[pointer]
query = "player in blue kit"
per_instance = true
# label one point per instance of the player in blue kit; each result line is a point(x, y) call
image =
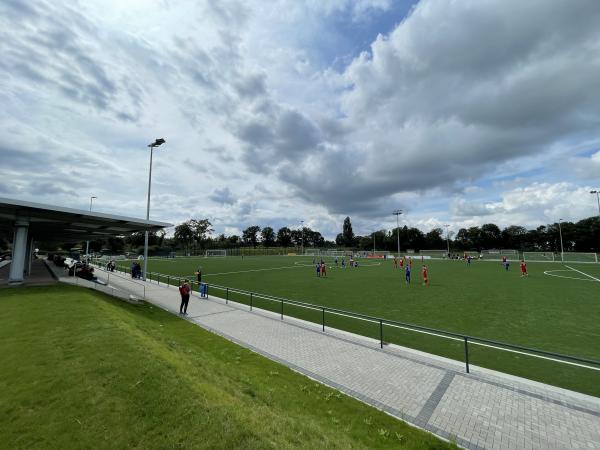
point(407, 273)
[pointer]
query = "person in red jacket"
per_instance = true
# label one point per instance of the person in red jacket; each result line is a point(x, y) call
point(184, 291)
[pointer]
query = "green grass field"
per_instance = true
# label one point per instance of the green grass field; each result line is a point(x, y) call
point(82, 370)
point(557, 313)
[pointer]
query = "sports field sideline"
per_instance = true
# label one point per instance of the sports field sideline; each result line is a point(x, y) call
point(555, 309)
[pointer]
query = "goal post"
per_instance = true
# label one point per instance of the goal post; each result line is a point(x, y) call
point(438, 254)
point(578, 257)
point(215, 252)
point(539, 256)
point(511, 254)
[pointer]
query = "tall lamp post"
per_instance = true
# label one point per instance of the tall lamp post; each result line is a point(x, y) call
point(597, 192)
point(448, 238)
point(397, 214)
point(374, 243)
point(562, 253)
point(302, 241)
point(87, 243)
point(157, 143)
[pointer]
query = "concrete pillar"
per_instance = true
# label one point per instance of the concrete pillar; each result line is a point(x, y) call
point(28, 255)
point(19, 251)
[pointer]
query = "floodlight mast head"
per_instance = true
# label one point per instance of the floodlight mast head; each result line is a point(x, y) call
point(157, 143)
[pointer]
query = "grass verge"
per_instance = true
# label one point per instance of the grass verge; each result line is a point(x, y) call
point(82, 370)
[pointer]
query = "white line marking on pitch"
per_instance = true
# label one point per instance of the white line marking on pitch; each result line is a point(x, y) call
point(583, 273)
point(549, 273)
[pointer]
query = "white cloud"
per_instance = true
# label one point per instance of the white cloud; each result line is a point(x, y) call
point(259, 131)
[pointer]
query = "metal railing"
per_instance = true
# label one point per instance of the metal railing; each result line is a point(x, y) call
point(381, 323)
point(109, 273)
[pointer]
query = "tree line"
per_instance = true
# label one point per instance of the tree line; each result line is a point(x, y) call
point(195, 235)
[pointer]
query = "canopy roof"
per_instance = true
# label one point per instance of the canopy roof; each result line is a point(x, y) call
point(56, 223)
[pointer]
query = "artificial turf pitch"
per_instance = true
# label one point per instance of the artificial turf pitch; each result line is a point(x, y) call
point(557, 312)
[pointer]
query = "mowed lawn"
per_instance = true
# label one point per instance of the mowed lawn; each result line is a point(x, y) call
point(554, 313)
point(82, 370)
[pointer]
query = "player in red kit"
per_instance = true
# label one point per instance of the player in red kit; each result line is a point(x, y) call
point(524, 269)
point(425, 278)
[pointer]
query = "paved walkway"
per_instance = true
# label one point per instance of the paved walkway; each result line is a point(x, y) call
point(484, 409)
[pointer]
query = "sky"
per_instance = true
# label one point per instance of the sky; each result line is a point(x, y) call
point(457, 112)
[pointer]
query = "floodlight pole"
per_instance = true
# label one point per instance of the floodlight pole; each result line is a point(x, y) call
point(397, 214)
point(156, 143)
point(562, 253)
point(302, 241)
point(87, 243)
point(597, 192)
point(448, 237)
point(373, 243)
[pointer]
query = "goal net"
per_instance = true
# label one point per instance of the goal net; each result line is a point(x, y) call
point(311, 252)
point(539, 256)
point(578, 257)
point(496, 254)
point(434, 253)
point(215, 253)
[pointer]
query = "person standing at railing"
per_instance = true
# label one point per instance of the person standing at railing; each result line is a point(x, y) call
point(199, 275)
point(184, 291)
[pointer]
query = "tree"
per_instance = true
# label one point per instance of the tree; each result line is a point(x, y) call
point(184, 234)
point(267, 236)
point(490, 236)
point(434, 240)
point(347, 233)
point(284, 237)
point(250, 235)
point(200, 229)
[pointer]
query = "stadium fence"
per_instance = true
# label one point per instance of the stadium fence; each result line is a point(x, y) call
point(384, 331)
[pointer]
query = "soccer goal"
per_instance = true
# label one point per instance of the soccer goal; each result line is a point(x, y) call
point(539, 256)
point(578, 257)
point(215, 252)
point(338, 253)
point(437, 254)
point(312, 252)
point(497, 254)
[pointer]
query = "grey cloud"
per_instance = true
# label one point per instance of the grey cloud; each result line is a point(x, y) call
point(222, 196)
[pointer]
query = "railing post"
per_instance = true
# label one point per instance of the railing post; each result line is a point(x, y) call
point(250, 301)
point(169, 280)
point(467, 353)
point(281, 309)
point(381, 333)
point(323, 319)
point(206, 290)
point(158, 279)
point(226, 295)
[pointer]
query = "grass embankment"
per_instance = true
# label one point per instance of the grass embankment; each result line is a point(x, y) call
point(552, 313)
point(82, 370)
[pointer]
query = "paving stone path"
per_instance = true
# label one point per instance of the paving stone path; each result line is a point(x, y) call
point(480, 410)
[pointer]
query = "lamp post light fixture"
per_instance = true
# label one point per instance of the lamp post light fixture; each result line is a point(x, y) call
point(597, 192)
point(562, 252)
point(397, 214)
point(157, 143)
point(87, 243)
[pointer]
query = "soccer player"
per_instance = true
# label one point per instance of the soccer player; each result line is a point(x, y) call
point(407, 274)
point(395, 263)
point(524, 269)
point(401, 263)
point(469, 260)
point(336, 261)
point(318, 266)
point(504, 262)
point(424, 273)
point(343, 263)
point(323, 269)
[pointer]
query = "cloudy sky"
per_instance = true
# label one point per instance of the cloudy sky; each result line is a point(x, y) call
point(459, 112)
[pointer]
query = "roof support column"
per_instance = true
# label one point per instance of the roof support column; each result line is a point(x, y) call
point(19, 251)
